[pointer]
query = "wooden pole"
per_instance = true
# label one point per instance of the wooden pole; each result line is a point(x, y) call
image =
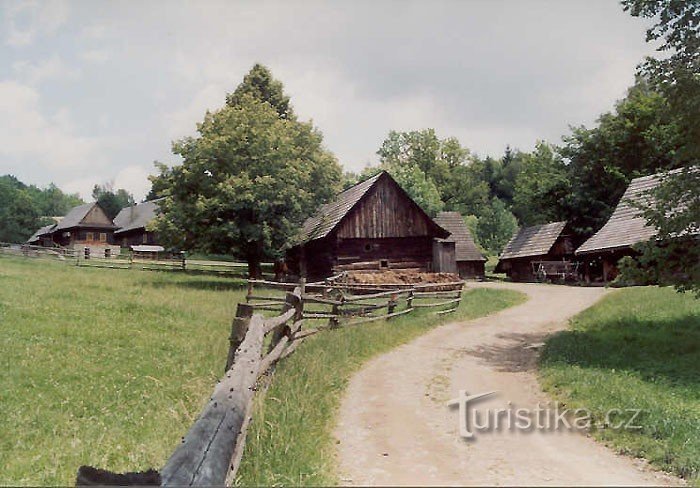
point(205, 455)
point(239, 328)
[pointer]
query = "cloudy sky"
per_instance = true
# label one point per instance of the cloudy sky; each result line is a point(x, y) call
point(95, 91)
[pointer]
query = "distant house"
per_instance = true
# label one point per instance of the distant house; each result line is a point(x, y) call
point(470, 261)
point(132, 223)
point(86, 228)
point(625, 228)
point(530, 246)
point(42, 237)
point(373, 225)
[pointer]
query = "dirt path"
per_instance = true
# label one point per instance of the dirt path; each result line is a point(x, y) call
point(395, 428)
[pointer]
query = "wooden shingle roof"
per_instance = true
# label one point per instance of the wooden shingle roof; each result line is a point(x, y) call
point(626, 226)
point(465, 249)
point(136, 216)
point(533, 241)
point(41, 232)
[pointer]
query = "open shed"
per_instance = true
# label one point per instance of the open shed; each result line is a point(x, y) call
point(373, 225)
point(531, 246)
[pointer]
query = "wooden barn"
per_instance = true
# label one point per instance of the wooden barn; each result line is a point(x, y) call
point(86, 228)
point(625, 228)
point(534, 247)
point(132, 223)
point(470, 261)
point(373, 225)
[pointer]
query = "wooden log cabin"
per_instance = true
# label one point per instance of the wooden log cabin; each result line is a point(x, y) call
point(625, 228)
point(373, 225)
point(132, 223)
point(530, 246)
point(85, 228)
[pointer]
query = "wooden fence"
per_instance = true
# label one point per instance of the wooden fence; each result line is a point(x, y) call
point(211, 452)
point(131, 261)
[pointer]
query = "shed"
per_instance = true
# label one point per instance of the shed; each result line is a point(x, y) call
point(133, 224)
point(42, 237)
point(532, 245)
point(372, 225)
point(470, 261)
point(625, 228)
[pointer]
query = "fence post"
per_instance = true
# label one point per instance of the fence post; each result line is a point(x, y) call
point(391, 306)
point(239, 328)
point(409, 299)
point(250, 291)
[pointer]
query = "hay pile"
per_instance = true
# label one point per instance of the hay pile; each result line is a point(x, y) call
point(403, 277)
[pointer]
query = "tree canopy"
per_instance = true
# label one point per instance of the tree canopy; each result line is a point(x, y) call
point(111, 200)
point(248, 180)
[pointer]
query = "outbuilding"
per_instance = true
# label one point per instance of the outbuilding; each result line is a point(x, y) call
point(373, 225)
point(536, 249)
point(470, 261)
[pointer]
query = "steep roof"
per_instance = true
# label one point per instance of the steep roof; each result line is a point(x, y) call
point(75, 217)
point(329, 215)
point(42, 231)
point(626, 226)
point(465, 249)
point(136, 216)
point(533, 241)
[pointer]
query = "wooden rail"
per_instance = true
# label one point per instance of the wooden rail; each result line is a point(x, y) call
point(211, 451)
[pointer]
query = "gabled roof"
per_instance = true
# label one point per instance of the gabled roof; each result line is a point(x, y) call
point(626, 226)
point(42, 231)
point(136, 216)
point(533, 241)
point(465, 249)
point(329, 215)
point(76, 216)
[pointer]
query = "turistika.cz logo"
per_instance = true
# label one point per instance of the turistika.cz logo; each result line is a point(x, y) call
point(546, 417)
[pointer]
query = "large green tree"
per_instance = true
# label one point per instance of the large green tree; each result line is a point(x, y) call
point(541, 186)
point(673, 257)
point(642, 136)
point(248, 180)
point(495, 226)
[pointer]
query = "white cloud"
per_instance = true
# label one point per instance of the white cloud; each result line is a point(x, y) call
point(49, 69)
point(135, 179)
point(97, 56)
point(26, 20)
point(31, 136)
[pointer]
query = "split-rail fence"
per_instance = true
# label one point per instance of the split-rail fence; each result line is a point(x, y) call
point(211, 452)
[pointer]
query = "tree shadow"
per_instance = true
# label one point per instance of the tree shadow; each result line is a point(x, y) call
point(207, 285)
point(518, 355)
point(665, 349)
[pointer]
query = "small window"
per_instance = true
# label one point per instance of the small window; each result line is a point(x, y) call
point(103, 237)
point(88, 236)
point(384, 263)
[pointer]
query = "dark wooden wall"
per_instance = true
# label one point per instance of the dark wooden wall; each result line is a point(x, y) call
point(384, 212)
point(470, 269)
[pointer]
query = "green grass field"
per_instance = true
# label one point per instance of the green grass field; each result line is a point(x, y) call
point(103, 367)
point(637, 348)
point(290, 441)
point(111, 367)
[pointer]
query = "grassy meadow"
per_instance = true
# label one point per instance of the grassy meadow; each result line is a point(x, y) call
point(110, 367)
point(637, 348)
point(103, 367)
point(290, 441)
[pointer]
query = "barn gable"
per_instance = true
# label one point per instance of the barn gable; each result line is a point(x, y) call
point(88, 215)
point(375, 208)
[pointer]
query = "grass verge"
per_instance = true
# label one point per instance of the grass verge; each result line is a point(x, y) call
point(103, 367)
point(290, 441)
point(639, 348)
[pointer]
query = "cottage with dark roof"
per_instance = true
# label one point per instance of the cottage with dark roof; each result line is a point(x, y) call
point(133, 224)
point(470, 261)
point(533, 245)
point(85, 228)
point(373, 225)
point(625, 228)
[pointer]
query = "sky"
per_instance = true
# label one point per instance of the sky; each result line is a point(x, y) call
point(96, 91)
